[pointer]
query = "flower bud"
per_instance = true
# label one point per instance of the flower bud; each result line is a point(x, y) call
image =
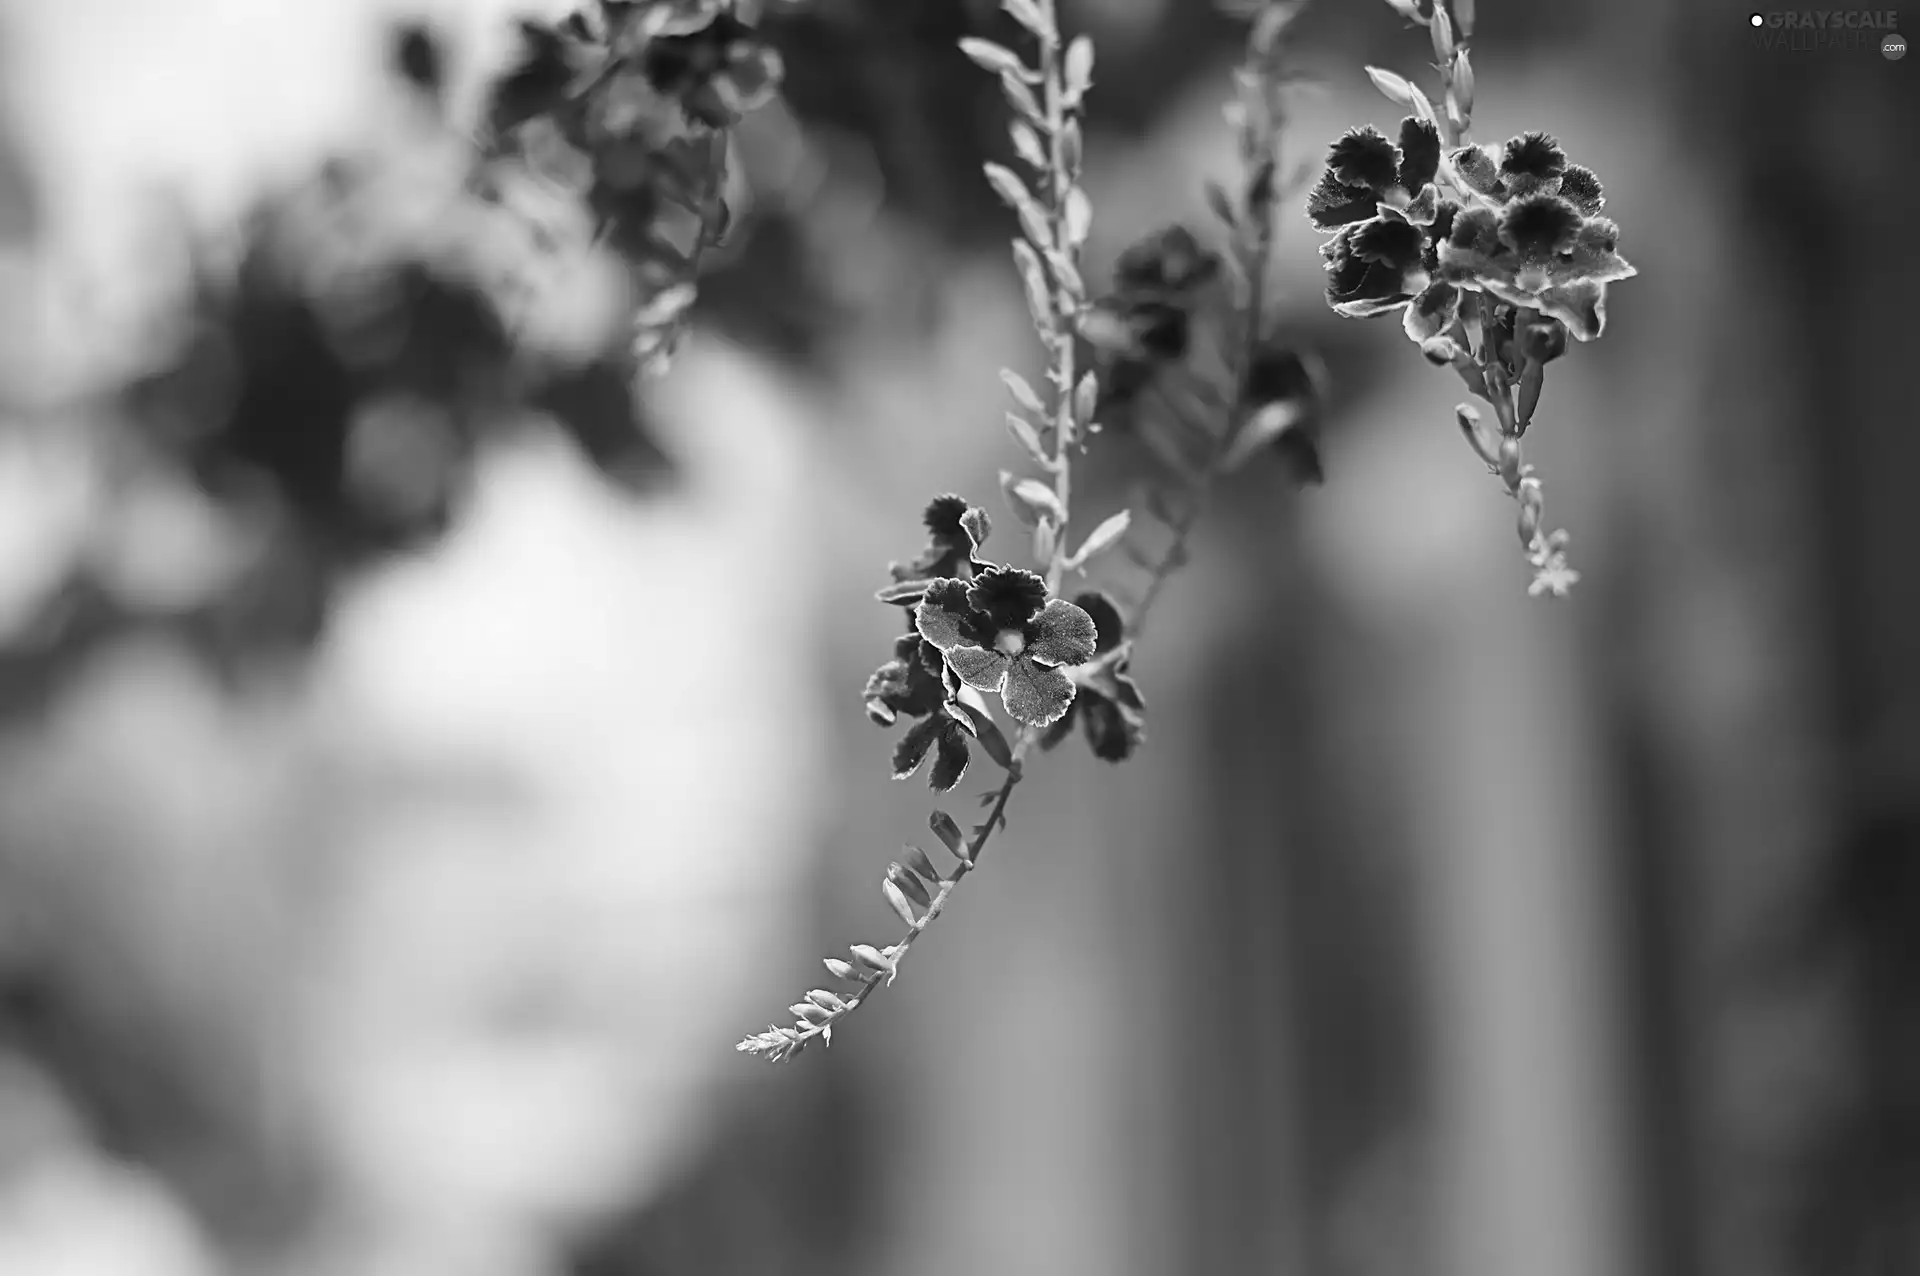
point(1508, 461)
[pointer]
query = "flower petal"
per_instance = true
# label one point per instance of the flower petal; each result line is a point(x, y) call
point(1007, 597)
point(951, 762)
point(1419, 152)
point(978, 667)
point(1579, 187)
point(1364, 157)
point(1333, 204)
point(1050, 738)
point(1037, 696)
point(943, 616)
point(1113, 733)
point(1062, 634)
point(913, 746)
point(1432, 312)
point(1582, 306)
point(1108, 624)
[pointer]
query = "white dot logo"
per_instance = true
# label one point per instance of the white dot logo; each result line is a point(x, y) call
point(1755, 20)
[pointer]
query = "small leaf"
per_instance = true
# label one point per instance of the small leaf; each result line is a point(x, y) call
point(1023, 392)
point(1086, 396)
point(868, 957)
point(917, 861)
point(1532, 378)
point(1026, 436)
point(1007, 185)
point(1033, 277)
point(1031, 500)
point(1028, 14)
point(909, 885)
point(1394, 87)
point(989, 56)
point(906, 593)
point(826, 1000)
point(1071, 284)
point(1021, 98)
point(807, 1012)
point(1078, 217)
point(949, 834)
point(1079, 70)
point(898, 902)
point(837, 968)
point(1046, 540)
point(1220, 204)
point(1070, 148)
point(1101, 539)
point(1440, 27)
point(1026, 144)
point(988, 733)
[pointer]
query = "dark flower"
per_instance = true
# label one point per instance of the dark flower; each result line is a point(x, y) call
point(1000, 634)
point(1530, 161)
point(1538, 251)
point(1364, 157)
point(1283, 390)
point(955, 532)
point(1539, 225)
point(915, 683)
point(1109, 706)
point(718, 72)
point(1168, 262)
point(1374, 267)
point(910, 683)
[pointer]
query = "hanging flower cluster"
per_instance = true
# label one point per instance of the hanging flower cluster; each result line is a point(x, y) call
point(1525, 229)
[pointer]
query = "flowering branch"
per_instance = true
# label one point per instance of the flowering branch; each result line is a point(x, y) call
point(1495, 256)
point(983, 629)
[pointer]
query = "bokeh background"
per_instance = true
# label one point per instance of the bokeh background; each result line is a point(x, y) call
point(414, 778)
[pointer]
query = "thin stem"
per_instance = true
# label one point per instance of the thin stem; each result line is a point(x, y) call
point(869, 984)
point(1063, 370)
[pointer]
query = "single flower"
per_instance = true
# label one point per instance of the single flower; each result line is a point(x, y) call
point(1539, 251)
point(1000, 634)
point(1109, 706)
point(1375, 266)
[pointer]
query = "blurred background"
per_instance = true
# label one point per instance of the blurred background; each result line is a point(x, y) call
point(417, 768)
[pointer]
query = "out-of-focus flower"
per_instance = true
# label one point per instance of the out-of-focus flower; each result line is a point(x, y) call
point(1108, 706)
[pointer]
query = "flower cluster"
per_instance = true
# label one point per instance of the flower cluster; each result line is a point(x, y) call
point(1525, 228)
point(1494, 257)
point(624, 104)
point(1146, 320)
point(974, 625)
